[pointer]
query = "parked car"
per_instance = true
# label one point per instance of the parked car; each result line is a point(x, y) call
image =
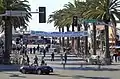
point(36, 69)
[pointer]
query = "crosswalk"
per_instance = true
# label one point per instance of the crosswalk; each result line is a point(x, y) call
point(72, 60)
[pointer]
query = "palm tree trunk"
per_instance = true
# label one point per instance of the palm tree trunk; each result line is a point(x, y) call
point(8, 41)
point(86, 39)
point(94, 39)
point(72, 37)
point(107, 52)
point(63, 40)
point(67, 37)
point(78, 39)
point(60, 37)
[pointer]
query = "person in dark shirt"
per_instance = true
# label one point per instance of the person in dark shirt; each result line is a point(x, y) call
point(65, 57)
point(38, 48)
point(44, 52)
point(43, 62)
point(52, 56)
point(36, 60)
point(34, 50)
point(30, 50)
point(28, 60)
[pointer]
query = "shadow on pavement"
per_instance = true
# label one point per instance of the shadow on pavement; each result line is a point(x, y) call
point(79, 76)
point(88, 68)
point(17, 75)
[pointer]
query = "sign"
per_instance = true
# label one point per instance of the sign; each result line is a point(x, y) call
point(82, 20)
point(15, 13)
point(60, 34)
point(90, 20)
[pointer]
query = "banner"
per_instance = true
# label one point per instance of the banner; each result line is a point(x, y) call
point(60, 34)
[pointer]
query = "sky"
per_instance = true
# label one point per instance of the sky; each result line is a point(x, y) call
point(51, 5)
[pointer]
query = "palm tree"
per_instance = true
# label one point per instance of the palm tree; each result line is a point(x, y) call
point(105, 10)
point(63, 18)
point(14, 21)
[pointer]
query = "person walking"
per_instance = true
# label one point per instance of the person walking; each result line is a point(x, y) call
point(115, 56)
point(44, 52)
point(42, 61)
point(36, 60)
point(34, 50)
point(28, 60)
point(23, 60)
point(30, 50)
point(65, 58)
point(52, 56)
point(38, 48)
point(61, 55)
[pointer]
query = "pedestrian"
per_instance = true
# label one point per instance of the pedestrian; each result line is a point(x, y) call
point(28, 60)
point(52, 56)
point(44, 52)
point(115, 56)
point(61, 58)
point(34, 50)
point(23, 60)
point(65, 58)
point(30, 50)
point(38, 48)
point(42, 61)
point(36, 60)
point(23, 50)
point(26, 51)
point(118, 55)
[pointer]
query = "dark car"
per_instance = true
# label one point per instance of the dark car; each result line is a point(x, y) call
point(36, 69)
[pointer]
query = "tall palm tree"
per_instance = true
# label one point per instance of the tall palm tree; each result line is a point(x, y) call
point(14, 21)
point(63, 17)
point(105, 10)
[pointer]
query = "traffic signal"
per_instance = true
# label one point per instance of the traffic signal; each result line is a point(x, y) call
point(75, 18)
point(42, 14)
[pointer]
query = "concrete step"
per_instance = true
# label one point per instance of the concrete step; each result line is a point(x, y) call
point(48, 55)
point(48, 59)
point(68, 62)
point(56, 57)
point(68, 66)
point(59, 58)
